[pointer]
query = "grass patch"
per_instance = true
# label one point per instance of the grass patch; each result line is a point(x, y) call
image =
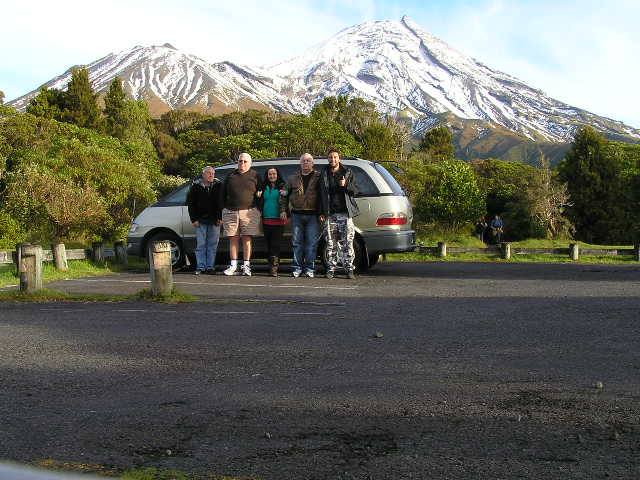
point(77, 269)
point(48, 295)
point(174, 297)
point(152, 473)
point(144, 473)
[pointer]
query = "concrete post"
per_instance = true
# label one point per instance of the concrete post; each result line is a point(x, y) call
point(442, 249)
point(30, 267)
point(160, 268)
point(574, 251)
point(59, 252)
point(121, 253)
point(506, 251)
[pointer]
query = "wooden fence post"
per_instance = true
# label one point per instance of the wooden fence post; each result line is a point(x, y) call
point(574, 251)
point(59, 252)
point(30, 267)
point(121, 253)
point(442, 249)
point(18, 257)
point(160, 268)
point(506, 251)
point(98, 252)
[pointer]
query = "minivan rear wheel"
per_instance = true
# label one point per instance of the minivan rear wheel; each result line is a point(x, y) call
point(360, 261)
point(177, 252)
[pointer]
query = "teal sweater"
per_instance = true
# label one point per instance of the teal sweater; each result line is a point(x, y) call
point(271, 198)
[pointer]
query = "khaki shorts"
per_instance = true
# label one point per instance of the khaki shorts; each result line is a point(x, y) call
point(241, 222)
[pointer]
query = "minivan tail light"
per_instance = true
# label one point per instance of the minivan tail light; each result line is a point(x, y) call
point(391, 219)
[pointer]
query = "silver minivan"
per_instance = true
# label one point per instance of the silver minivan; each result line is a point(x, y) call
point(383, 226)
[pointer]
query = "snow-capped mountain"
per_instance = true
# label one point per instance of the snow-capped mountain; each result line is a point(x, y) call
point(395, 64)
point(170, 79)
point(399, 66)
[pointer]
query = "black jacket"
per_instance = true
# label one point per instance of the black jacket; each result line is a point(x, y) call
point(349, 191)
point(205, 203)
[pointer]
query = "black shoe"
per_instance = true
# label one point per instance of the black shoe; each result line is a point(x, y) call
point(198, 272)
point(329, 274)
point(210, 272)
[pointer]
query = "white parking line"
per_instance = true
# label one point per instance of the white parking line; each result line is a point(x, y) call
point(258, 285)
point(308, 313)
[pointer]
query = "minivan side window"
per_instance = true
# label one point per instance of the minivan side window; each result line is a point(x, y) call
point(178, 196)
point(366, 187)
point(390, 179)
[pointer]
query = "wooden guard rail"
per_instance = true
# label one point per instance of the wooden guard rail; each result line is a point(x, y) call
point(506, 250)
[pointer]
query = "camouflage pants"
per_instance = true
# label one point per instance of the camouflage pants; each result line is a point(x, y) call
point(339, 234)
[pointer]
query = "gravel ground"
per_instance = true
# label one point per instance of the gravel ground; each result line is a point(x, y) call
point(414, 371)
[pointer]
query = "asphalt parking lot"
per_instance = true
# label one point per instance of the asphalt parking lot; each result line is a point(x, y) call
point(430, 370)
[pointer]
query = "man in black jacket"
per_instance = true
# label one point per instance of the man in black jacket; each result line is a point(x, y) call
point(204, 201)
point(338, 207)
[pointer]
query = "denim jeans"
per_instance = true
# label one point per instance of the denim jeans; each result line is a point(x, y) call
point(305, 232)
point(207, 237)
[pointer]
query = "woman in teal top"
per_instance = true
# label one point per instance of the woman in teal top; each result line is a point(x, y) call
point(274, 215)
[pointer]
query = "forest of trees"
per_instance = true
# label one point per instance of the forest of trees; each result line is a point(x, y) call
point(80, 166)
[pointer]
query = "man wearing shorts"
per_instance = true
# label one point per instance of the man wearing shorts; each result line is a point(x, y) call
point(240, 217)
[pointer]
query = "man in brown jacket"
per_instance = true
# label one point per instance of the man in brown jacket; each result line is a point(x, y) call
point(302, 188)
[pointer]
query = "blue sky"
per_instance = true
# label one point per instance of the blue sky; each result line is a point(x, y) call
point(582, 52)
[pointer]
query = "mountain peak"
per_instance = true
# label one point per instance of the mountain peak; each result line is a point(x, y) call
point(397, 65)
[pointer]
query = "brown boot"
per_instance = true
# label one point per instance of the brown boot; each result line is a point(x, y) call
point(274, 262)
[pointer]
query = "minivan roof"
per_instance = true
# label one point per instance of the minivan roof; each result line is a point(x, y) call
point(297, 159)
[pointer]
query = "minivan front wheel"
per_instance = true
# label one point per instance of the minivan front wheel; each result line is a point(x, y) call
point(177, 252)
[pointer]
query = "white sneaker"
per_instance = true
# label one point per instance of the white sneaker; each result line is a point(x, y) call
point(231, 270)
point(245, 270)
point(309, 274)
point(295, 274)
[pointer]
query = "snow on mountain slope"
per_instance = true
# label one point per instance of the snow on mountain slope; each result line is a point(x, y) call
point(395, 64)
point(178, 79)
point(400, 66)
